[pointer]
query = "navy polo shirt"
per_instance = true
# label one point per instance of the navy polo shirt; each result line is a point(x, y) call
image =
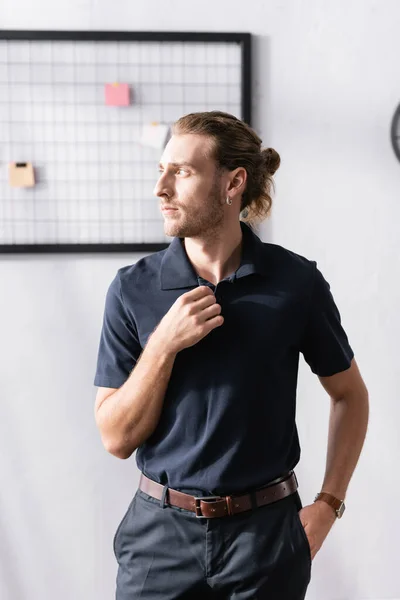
point(228, 418)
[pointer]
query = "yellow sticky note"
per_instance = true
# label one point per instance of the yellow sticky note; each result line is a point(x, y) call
point(21, 174)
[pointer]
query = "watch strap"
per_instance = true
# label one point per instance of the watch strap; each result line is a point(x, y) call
point(337, 505)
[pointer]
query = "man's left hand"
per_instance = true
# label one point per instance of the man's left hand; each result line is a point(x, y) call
point(317, 520)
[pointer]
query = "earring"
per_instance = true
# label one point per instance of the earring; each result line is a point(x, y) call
point(229, 201)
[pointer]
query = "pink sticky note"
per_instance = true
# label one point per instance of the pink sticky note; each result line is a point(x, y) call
point(117, 94)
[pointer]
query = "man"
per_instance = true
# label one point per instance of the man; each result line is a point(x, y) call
point(197, 370)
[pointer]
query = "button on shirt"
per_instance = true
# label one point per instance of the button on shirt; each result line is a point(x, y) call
point(228, 418)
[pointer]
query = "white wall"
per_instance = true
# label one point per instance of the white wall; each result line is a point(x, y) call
point(326, 84)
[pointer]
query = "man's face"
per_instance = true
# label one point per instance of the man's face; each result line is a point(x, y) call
point(189, 183)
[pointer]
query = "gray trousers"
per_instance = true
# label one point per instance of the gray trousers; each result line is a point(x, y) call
point(167, 553)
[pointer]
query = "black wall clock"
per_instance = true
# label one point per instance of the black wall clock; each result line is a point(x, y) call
point(395, 132)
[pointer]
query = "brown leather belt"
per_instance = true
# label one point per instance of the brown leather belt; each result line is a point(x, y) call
point(208, 507)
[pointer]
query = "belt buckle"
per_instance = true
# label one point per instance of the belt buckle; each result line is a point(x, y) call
point(197, 500)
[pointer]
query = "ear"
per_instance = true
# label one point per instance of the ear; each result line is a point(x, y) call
point(237, 180)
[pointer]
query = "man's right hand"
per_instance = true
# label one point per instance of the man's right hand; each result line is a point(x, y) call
point(192, 316)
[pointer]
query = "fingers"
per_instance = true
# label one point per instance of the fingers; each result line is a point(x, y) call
point(210, 312)
point(197, 293)
point(212, 323)
point(201, 305)
point(204, 302)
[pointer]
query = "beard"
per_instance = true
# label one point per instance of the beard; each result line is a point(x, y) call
point(204, 223)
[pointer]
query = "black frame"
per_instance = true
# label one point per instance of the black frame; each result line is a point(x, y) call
point(244, 39)
point(394, 132)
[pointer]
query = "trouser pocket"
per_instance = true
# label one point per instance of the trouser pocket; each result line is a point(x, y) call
point(124, 518)
point(297, 506)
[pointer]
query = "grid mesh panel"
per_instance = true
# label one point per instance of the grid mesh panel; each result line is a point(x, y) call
point(94, 179)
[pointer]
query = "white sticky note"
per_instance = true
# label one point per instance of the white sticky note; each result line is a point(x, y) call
point(155, 135)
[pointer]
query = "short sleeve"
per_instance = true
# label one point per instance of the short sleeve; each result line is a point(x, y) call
point(119, 347)
point(324, 343)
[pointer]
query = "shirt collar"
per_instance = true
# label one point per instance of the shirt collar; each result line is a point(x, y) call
point(177, 271)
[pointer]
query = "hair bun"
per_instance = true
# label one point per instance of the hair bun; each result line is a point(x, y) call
point(272, 159)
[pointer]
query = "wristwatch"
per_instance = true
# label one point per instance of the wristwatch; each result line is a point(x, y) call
point(338, 505)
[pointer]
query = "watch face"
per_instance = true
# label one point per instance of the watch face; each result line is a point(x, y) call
point(395, 132)
point(340, 510)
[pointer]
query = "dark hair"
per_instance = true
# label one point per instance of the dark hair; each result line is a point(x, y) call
point(236, 144)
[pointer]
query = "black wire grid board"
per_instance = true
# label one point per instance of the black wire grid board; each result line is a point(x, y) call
point(93, 176)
